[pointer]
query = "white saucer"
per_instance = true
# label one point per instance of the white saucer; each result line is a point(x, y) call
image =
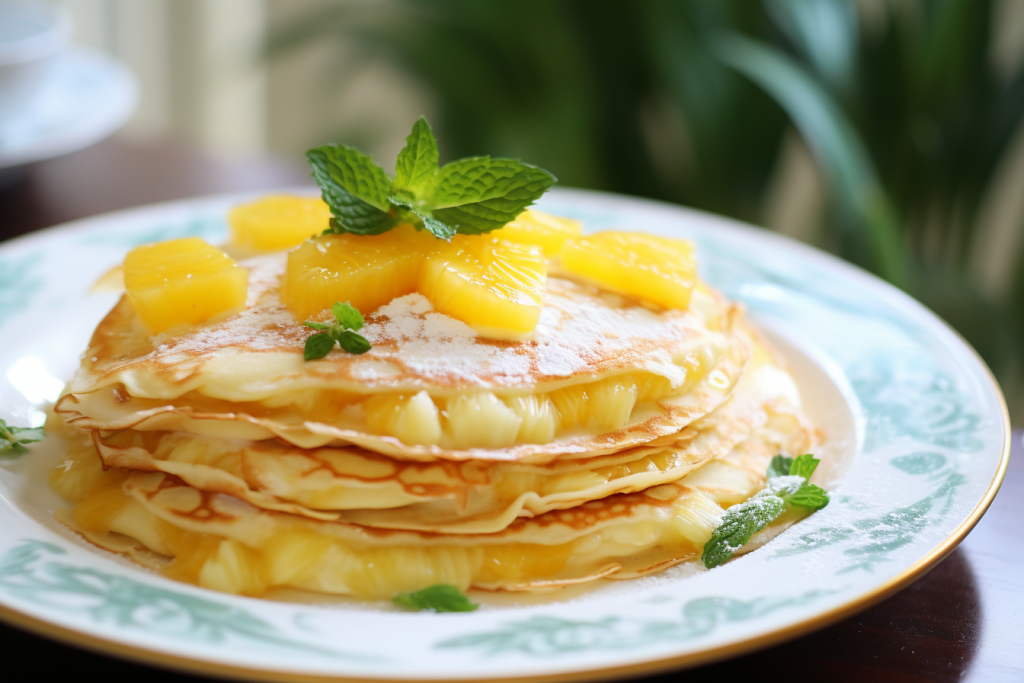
point(88, 97)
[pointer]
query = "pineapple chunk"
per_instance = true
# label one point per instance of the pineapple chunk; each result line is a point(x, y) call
point(110, 281)
point(517, 561)
point(183, 282)
point(412, 420)
point(605, 404)
point(368, 271)
point(481, 420)
point(278, 222)
point(651, 387)
point(659, 269)
point(539, 418)
point(611, 402)
point(494, 286)
point(291, 554)
point(233, 568)
point(696, 518)
point(379, 573)
point(541, 230)
point(81, 472)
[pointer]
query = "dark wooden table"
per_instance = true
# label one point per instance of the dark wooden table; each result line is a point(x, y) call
point(962, 621)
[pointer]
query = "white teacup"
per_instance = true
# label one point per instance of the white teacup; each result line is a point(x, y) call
point(31, 35)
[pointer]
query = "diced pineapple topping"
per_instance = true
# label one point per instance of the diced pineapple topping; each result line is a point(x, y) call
point(310, 560)
point(410, 419)
point(481, 420)
point(367, 271)
point(495, 286)
point(660, 269)
point(696, 518)
point(495, 283)
point(81, 472)
point(540, 229)
point(233, 568)
point(518, 561)
point(278, 222)
point(183, 282)
point(539, 418)
point(605, 404)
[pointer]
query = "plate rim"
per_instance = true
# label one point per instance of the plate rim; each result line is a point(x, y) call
point(654, 665)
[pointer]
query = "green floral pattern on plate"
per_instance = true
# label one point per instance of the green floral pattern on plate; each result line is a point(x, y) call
point(875, 537)
point(27, 574)
point(916, 403)
point(926, 421)
point(546, 636)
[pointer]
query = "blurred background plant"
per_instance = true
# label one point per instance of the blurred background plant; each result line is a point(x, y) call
point(904, 112)
point(885, 131)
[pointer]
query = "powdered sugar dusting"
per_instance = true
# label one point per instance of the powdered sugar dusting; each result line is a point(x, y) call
point(261, 326)
point(580, 332)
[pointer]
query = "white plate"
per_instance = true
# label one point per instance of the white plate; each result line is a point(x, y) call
point(918, 441)
point(87, 96)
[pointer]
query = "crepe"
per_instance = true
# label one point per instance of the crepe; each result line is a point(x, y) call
point(222, 542)
point(645, 374)
point(363, 487)
point(607, 444)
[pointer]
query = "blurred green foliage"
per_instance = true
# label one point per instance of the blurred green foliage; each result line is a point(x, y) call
point(689, 101)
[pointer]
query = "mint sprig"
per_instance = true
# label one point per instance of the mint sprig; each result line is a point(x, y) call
point(468, 196)
point(779, 466)
point(739, 523)
point(417, 163)
point(12, 438)
point(342, 332)
point(441, 597)
point(787, 485)
point(803, 466)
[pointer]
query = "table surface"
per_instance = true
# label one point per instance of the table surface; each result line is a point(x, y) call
point(964, 620)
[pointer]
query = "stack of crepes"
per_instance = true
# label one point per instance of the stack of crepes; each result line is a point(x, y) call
point(607, 445)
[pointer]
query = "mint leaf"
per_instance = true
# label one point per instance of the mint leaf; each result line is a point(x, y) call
point(347, 315)
point(355, 189)
point(442, 597)
point(808, 496)
point(358, 218)
point(469, 196)
point(479, 179)
point(787, 485)
point(779, 466)
point(481, 194)
point(351, 170)
point(12, 438)
point(28, 434)
point(417, 162)
point(422, 220)
point(739, 523)
point(474, 219)
point(437, 228)
point(804, 466)
point(352, 342)
point(318, 345)
point(347, 319)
